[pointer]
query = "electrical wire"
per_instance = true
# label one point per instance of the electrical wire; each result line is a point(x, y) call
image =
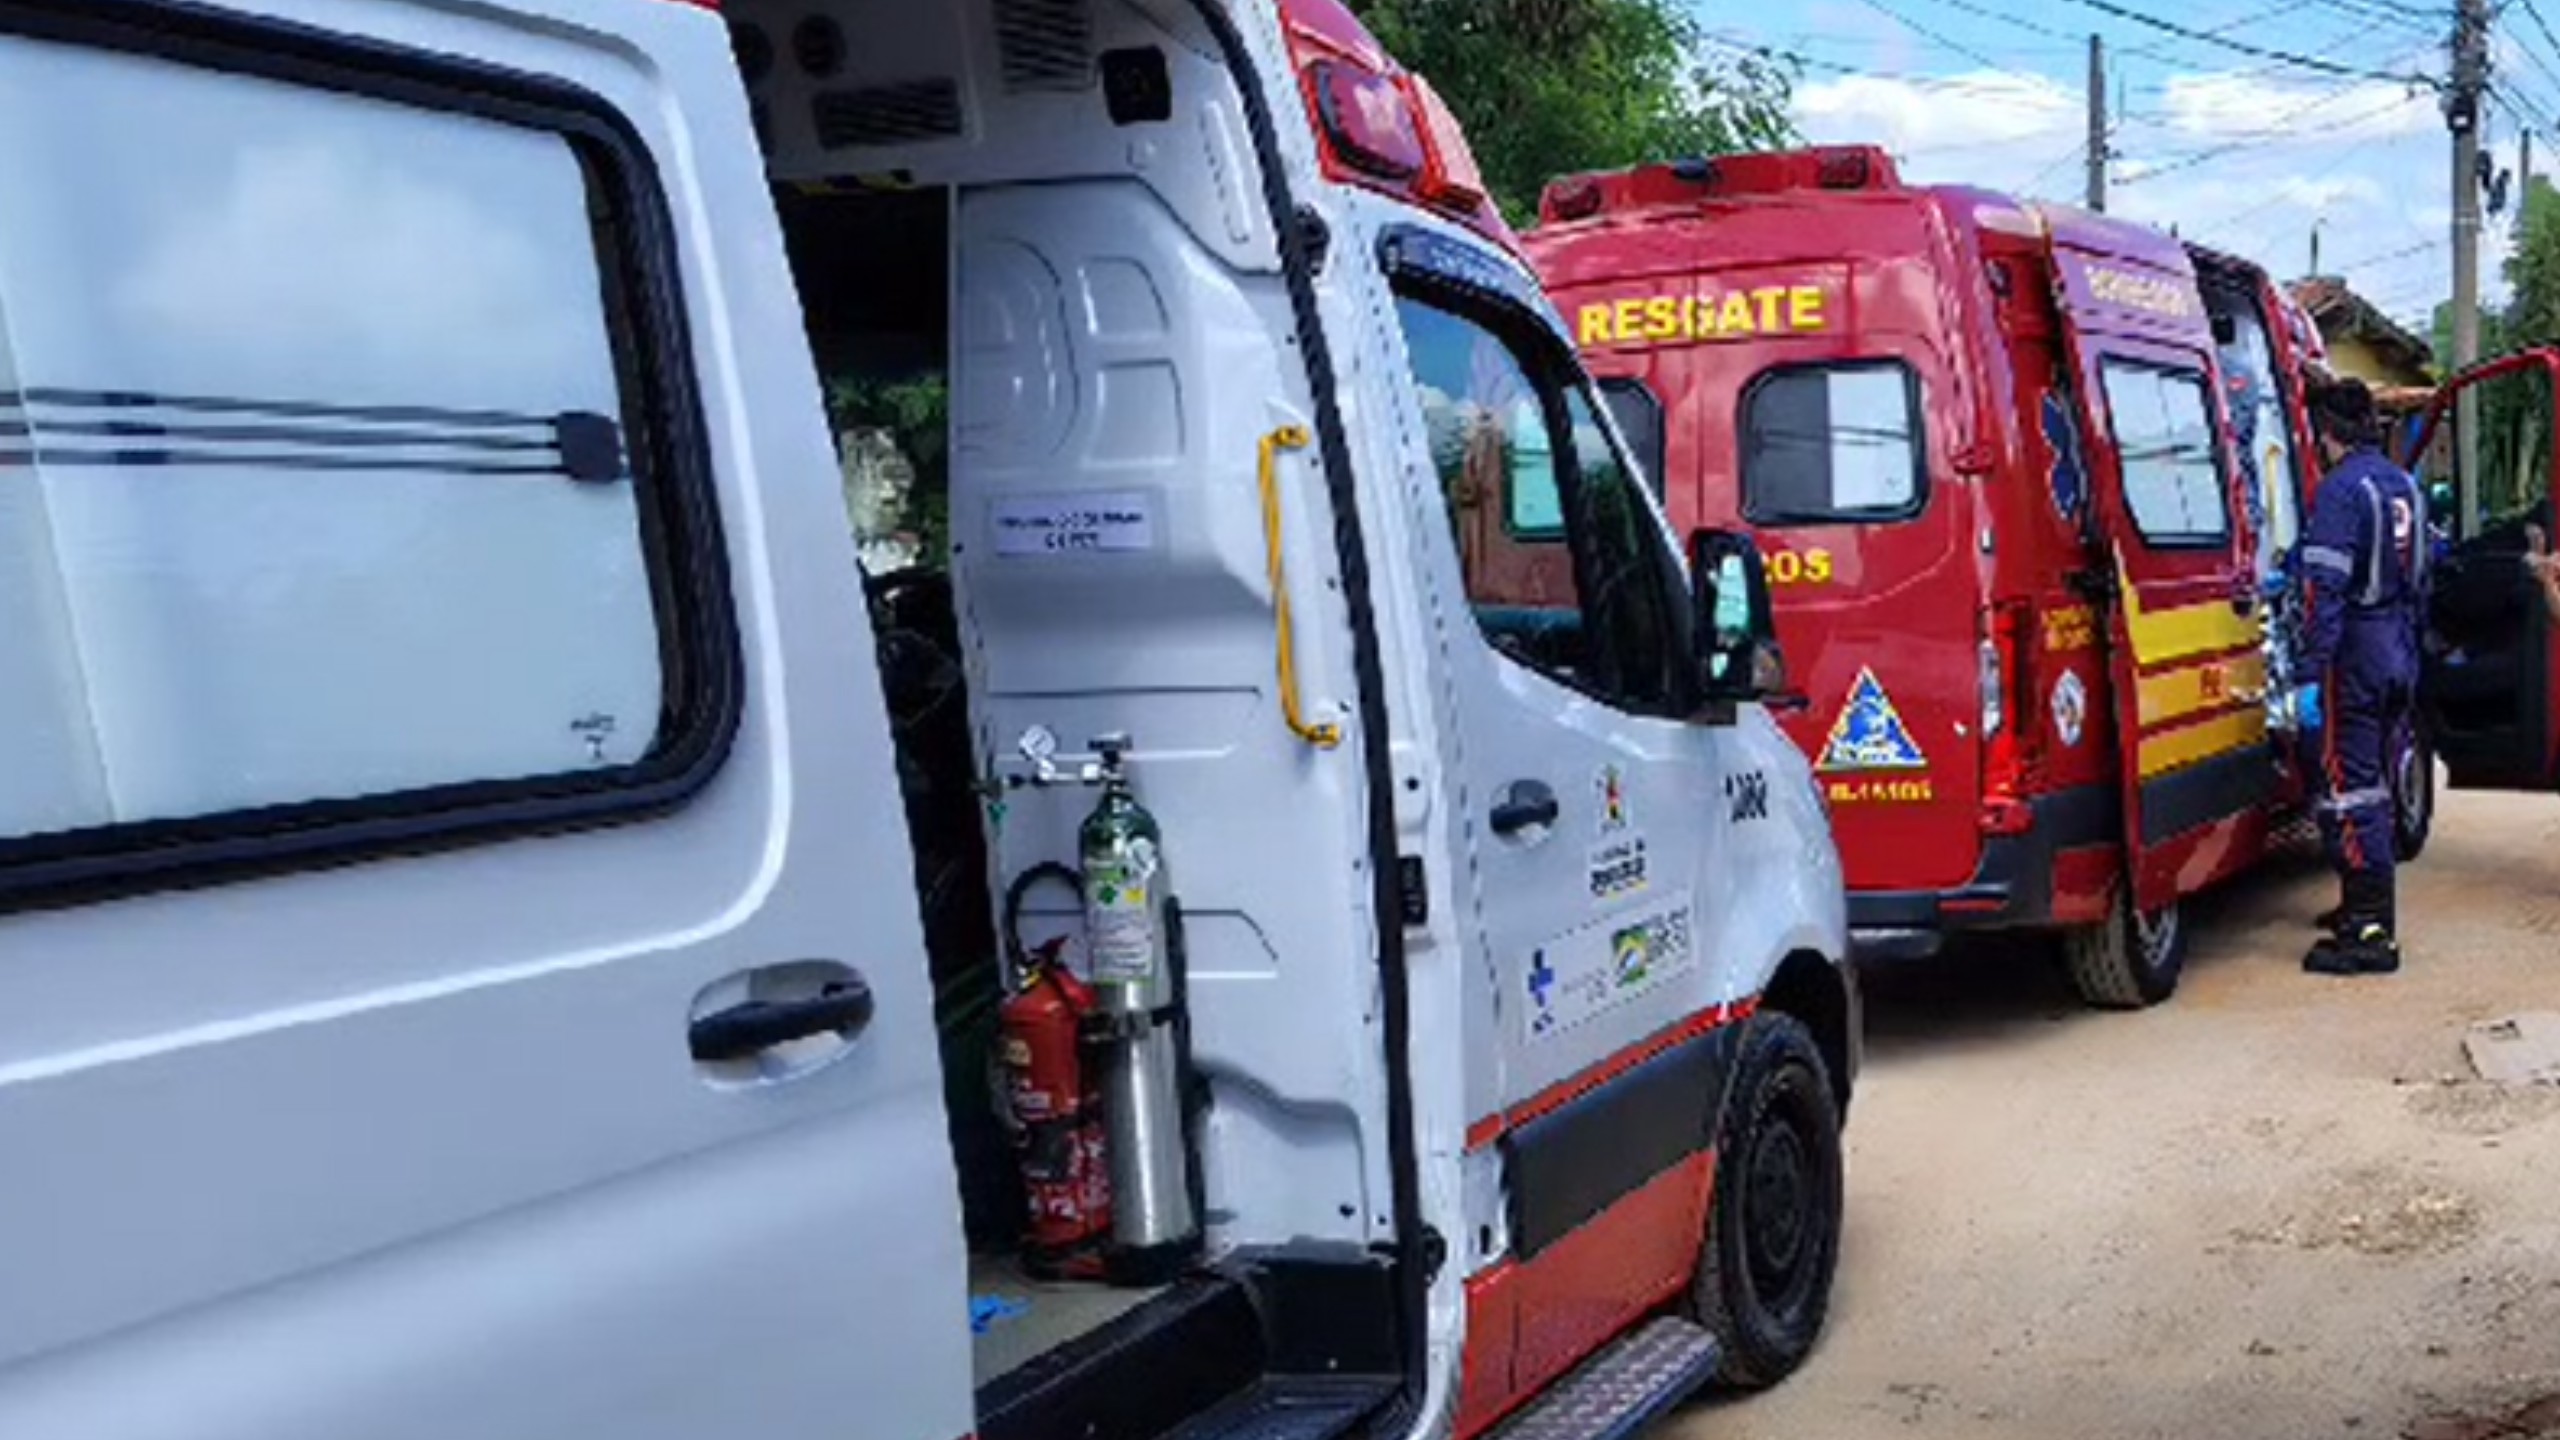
point(2260, 141)
point(2385, 258)
point(1926, 33)
point(2261, 52)
point(2006, 80)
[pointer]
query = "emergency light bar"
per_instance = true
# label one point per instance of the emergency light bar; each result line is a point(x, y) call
point(1685, 183)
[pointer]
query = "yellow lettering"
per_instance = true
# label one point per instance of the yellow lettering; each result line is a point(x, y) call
point(1630, 319)
point(1701, 318)
point(1817, 566)
point(1595, 324)
point(1786, 567)
point(1769, 296)
point(1804, 308)
point(1662, 318)
point(1735, 317)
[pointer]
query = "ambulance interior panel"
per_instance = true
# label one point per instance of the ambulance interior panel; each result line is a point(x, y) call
point(1049, 316)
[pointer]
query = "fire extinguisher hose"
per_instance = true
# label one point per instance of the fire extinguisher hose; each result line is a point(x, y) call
point(1018, 964)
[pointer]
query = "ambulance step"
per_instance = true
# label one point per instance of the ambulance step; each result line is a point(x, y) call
point(1626, 1387)
point(1292, 1408)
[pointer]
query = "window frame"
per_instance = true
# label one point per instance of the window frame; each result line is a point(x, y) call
point(1652, 449)
point(679, 532)
point(1768, 518)
point(1546, 356)
point(2215, 428)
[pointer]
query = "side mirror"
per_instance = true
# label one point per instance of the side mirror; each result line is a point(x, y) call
point(1737, 638)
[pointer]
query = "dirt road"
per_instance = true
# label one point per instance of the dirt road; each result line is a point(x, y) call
point(2275, 1208)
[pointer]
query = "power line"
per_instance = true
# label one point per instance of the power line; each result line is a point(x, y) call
point(2372, 14)
point(2243, 47)
point(2421, 248)
point(1926, 33)
point(2533, 12)
point(2260, 140)
point(2008, 78)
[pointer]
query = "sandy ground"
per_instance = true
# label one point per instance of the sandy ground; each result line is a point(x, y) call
point(2276, 1207)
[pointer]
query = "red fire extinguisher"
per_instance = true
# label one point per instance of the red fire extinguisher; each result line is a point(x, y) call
point(1057, 1115)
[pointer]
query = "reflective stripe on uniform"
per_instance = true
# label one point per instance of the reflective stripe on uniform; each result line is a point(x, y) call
point(2377, 551)
point(2329, 558)
point(2354, 800)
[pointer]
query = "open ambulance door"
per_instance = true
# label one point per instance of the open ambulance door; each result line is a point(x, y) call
point(2491, 697)
point(2186, 654)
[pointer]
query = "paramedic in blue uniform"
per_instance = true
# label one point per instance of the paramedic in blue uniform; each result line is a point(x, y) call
point(2363, 573)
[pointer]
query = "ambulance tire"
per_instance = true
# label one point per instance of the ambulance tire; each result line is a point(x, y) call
point(2127, 962)
point(1763, 1286)
point(2413, 795)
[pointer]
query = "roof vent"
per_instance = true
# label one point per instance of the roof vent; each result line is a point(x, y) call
point(888, 114)
point(1045, 44)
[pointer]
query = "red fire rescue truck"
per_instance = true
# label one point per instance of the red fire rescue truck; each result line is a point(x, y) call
point(2022, 476)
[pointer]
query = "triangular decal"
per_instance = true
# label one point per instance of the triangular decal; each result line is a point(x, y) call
point(1869, 734)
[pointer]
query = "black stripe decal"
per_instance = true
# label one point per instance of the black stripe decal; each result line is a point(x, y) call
point(2201, 794)
point(294, 435)
point(69, 399)
point(1572, 1163)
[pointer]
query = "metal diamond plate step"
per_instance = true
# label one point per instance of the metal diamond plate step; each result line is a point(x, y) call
point(1630, 1384)
point(1291, 1408)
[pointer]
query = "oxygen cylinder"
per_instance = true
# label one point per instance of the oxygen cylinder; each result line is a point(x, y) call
point(1155, 1223)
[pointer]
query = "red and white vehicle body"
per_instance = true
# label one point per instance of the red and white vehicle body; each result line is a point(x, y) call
point(463, 973)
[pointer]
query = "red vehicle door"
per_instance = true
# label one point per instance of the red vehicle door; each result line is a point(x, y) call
point(2491, 699)
point(2187, 661)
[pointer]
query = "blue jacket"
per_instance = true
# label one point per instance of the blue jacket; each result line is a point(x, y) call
point(2364, 567)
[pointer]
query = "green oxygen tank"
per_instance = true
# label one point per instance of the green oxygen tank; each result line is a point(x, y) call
point(1122, 852)
point(1155, 1223)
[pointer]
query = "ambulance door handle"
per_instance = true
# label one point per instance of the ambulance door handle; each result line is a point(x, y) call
point(748, 1029)
point(1525, 804)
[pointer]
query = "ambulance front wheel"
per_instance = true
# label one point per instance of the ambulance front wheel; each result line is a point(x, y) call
point(1763, 1286)
point(2130, 960)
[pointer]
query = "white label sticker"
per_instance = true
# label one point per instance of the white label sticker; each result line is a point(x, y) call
point(1597, 969)
point(1113, 524)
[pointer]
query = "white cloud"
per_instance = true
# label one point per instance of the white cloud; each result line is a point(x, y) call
point(2238, 106)
point(1984, 108)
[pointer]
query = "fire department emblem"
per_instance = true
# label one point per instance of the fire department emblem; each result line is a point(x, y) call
point(1870, 735)
point(2070, 707)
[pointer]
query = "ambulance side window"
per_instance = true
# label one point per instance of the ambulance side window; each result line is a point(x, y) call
point(1833, 444)
point(1638, 412)
point(1566, 569)
point(345, 504)
point(2162, 421)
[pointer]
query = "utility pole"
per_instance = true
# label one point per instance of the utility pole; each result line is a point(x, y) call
point(2097, 124)
point(2314, 271)
point(2462, 117)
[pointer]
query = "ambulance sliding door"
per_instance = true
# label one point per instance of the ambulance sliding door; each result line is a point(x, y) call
point(2187, 659)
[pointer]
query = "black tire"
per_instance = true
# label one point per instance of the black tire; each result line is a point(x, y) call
point(1763, 1286)
point(2127, 962)
point(2413, 800)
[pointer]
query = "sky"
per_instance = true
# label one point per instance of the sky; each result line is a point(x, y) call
point(2237, 150)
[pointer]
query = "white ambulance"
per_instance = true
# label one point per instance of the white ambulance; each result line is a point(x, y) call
point(461, 974)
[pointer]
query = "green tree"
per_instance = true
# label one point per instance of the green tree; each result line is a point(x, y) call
point(1549, 87)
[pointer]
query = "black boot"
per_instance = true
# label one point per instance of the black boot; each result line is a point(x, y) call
point(2363, 943)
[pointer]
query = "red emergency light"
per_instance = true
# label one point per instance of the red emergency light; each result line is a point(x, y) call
point(1684, 184)
point(1382, 127)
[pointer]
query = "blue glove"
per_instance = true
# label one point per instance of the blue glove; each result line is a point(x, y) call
point(2306, 705)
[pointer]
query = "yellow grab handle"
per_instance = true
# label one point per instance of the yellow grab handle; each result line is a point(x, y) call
point(1287, 437)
